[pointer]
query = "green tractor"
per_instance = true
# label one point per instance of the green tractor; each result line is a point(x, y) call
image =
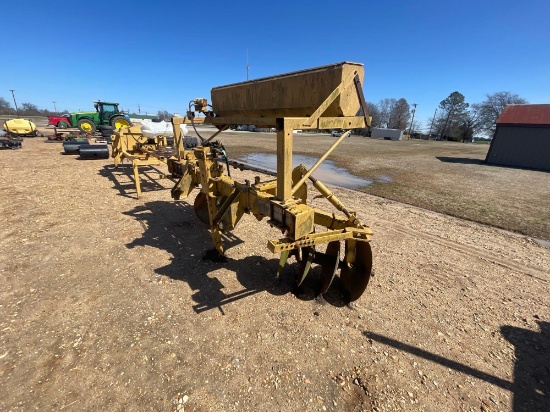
point(106, 114)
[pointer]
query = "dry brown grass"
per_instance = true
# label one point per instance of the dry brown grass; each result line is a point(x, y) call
point(445, 177)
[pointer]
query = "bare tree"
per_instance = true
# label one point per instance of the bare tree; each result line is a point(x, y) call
point(385, 108)
point(468, 124)
point(393, 114)
point(493, 105)
point(164, 115)
point(416, 127)
point(374, 112)
point(29, 109)
point(5, 106)
point(399, 115)
point(453, 109)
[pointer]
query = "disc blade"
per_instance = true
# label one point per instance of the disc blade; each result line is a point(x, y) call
point(356, 276)
point(330, 266)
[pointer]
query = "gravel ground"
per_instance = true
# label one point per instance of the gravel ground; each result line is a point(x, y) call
point(107, 304)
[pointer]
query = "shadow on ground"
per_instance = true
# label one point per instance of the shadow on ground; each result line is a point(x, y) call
point(531, 384)
point(470, 161)
point(149, 177)
point(462, 160)
point(173, 227)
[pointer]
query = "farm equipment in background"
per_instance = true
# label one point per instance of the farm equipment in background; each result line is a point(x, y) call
point(80, 143)
point(9, 142)
point(327, 97)
point(148, 144)
point(62, 122)
point(14, 131)
point(106, 114)
point(20, 128)
point(85, 149)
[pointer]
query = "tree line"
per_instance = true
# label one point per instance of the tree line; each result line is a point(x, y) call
point(25, 109)
point(458, 120)
point(455, 119)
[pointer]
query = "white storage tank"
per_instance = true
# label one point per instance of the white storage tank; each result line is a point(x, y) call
point(154, 129)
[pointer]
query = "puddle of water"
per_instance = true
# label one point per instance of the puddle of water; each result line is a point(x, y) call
point(383, 179)
point(542, 242)
point(328, 172)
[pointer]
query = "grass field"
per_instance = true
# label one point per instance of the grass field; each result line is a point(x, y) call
point(446, 177)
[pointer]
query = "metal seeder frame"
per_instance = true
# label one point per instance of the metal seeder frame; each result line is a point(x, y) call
point(222, 201)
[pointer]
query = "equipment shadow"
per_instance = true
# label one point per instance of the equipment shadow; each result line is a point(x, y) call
point(173, 227)
point(531, 384)
point(462, 160)
point(149, 176)
point(470, 161)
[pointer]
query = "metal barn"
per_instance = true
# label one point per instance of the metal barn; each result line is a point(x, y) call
point(522, 137)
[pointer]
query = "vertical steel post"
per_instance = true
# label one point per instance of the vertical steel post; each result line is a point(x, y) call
point(284, 160)
point(178, 138)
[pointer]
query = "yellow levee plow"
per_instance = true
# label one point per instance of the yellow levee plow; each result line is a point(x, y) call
point(328, 97)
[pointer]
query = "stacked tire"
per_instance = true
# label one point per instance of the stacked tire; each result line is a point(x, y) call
point(106, 132)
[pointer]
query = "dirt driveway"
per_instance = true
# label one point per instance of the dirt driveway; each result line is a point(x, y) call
point(107, 304)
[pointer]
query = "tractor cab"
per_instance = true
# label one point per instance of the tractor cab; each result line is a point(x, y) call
point(110, 115)
point(106, 111)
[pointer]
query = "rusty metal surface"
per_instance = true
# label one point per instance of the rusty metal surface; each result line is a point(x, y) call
point(296, 94)
point(533, 114)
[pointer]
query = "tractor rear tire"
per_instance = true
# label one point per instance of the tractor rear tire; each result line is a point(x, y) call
point(119, 121)
point(86, 125)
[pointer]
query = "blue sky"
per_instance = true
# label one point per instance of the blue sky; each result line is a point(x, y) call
point(162, 54)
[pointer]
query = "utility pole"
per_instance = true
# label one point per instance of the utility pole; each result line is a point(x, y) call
point(54, 107)
point(412, 121)
point(432, 125)
point(247, 66)
point(14, 102)
point(139, 109)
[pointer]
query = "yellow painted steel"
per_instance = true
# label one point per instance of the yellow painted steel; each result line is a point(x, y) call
point(296, 94)
point(282, 201)
point(321, 98)
point(129, 144)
